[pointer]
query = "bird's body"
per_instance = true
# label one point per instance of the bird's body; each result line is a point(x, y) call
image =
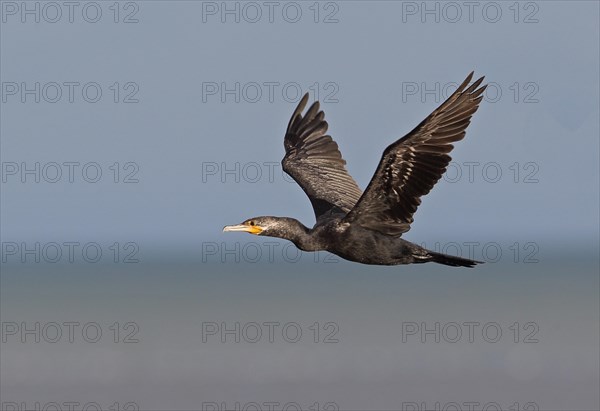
point(352, 242)
point(361, 245)
point(366, 227)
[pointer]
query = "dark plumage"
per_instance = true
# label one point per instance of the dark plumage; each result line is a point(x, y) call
point(366, 227)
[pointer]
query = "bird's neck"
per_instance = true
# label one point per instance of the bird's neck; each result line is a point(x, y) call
point(299, 234)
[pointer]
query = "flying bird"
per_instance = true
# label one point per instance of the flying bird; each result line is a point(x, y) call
point(366, 227)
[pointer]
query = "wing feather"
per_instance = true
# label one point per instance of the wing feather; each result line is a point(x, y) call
point(410, 167)
point(314, 161)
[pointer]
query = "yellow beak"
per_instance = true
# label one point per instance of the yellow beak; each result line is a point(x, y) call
point(252, 229)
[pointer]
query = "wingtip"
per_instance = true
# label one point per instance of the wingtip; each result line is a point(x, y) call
point(464, 84)
point(473, 88)
point(478, 81)
point(302, 103)
point(305, 98)
point(298, 111)
point(470, 77)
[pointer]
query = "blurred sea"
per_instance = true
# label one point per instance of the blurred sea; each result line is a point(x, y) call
point(328, 335)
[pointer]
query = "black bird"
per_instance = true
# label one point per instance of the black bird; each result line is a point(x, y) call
point(365, 227)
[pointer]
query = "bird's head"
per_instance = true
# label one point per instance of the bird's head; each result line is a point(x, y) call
point(258, 226)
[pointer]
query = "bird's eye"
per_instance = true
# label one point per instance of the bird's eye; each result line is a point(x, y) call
point(251, 222)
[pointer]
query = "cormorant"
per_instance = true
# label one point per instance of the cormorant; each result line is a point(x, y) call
point(365, 227)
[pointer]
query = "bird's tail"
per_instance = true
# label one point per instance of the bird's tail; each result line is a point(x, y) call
point(452, 260)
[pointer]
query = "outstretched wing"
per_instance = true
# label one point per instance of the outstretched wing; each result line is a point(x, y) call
point(411, 166)
point(312, 159)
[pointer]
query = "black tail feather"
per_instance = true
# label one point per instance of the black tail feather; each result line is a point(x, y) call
point(452, 260)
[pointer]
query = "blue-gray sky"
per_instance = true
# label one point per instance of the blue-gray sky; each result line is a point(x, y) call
point(373, 67)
